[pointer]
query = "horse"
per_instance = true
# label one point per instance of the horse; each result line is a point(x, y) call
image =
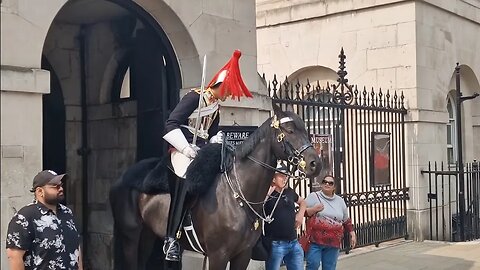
point(225, 217)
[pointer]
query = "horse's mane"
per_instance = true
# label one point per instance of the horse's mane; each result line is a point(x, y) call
point(246, 147)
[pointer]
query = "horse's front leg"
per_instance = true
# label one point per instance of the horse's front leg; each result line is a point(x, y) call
point(217, 261)
point(241, 261)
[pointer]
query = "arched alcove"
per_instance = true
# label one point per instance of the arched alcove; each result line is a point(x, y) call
point(470, 111)
point(314, 74)
point(89, 49)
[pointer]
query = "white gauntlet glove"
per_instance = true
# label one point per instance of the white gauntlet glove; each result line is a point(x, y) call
point(178, 140)
point(190, 151)
point(218, 138)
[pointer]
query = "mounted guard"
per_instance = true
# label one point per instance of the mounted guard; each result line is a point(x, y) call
point(192, 124)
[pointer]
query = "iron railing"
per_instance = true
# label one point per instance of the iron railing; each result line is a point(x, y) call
point(352, 117)
point(443, 198)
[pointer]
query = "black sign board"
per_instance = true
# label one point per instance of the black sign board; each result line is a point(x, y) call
point(236, 134)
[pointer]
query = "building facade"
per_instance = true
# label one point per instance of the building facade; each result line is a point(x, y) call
point(404, 46)
point(86, 87)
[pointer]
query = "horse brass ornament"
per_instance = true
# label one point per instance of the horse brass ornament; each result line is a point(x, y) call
point(302, 164)
point(275, 123)
point(256, 224)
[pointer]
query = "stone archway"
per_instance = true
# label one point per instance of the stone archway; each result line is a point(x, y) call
point(93, 47)
point(469, 84)
point(314, 74)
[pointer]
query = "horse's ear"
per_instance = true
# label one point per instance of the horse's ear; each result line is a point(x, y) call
point(277, 110)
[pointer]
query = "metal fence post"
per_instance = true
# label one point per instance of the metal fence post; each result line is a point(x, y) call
point(461, 176)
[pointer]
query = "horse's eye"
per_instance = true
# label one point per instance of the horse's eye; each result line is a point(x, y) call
point(290, 130)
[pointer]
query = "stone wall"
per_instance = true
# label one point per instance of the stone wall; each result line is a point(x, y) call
point(214, 28)
point(439, 47)
point(24, 26)
point(407, 46)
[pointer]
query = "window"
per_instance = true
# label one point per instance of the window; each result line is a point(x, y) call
point(125, 89)
point(451, 132)
point(121, 85)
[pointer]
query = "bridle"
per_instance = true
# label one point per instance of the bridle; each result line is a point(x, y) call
point(294, 156)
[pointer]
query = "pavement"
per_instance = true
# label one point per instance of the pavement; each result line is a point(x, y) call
point(394, 255)
point(409, 255)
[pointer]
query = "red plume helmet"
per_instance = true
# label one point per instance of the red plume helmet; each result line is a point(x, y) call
point(229, 75)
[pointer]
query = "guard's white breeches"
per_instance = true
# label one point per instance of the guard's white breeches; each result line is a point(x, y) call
point(180, 163)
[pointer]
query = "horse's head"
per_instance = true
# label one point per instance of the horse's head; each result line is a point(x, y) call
point(292, 142)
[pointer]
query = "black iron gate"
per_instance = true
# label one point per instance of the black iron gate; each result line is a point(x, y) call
point(444, 201)
point(362, 143)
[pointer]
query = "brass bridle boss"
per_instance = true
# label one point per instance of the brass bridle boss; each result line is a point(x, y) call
point(295, 156)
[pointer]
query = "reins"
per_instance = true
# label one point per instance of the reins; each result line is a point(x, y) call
point(295, 158)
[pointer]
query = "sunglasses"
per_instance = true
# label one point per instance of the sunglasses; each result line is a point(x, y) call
point(57, 187)
point(330, 183)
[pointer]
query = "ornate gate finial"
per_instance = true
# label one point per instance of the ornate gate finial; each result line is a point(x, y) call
point(342, 72)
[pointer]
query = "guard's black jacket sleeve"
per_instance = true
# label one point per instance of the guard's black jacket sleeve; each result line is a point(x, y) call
point(179, 116)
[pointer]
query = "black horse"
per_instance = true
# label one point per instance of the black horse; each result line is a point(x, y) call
point(227, 223)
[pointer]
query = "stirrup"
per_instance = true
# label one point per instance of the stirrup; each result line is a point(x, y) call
point(171, 248)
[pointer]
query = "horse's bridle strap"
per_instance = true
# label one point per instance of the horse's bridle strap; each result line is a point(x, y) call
point(265, 165)
point(299, 152)
point(285, 120)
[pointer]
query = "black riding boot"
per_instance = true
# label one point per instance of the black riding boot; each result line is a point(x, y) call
point(171, 247)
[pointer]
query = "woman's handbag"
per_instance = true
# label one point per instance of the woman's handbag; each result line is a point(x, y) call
point(304, 241)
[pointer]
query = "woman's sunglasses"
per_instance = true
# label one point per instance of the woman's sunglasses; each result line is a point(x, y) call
point(330, 183)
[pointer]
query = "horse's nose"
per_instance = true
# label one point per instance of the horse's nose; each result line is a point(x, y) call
point(313, 165)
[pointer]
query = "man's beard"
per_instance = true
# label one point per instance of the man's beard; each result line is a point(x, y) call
point(54, 199)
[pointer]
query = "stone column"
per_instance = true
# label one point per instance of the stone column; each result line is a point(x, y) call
point(21, 139)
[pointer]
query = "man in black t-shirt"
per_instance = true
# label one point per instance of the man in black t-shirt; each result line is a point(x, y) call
point(282, 230)
point(42, 235)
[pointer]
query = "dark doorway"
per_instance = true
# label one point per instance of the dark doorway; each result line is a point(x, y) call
point(53, 124)
point(153, 83)
point(88, 39)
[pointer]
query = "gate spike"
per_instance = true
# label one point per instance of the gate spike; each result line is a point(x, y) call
point(402, 97)
point(387, 96)
point(365, 100)
point(355, 93)
point(380, 98)
point(297, 86)
point(373, 99)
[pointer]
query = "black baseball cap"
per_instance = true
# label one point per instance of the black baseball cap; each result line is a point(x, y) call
point(47, 177)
